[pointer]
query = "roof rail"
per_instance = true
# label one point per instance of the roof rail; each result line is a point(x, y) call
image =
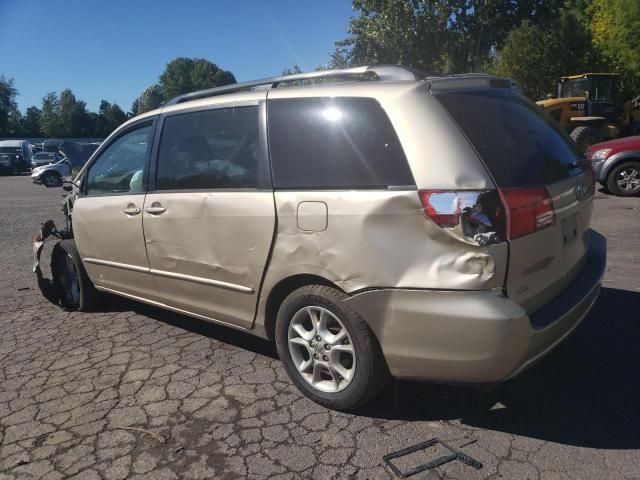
point(382, 72)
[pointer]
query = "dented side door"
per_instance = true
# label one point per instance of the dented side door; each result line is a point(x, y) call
point(208, 248)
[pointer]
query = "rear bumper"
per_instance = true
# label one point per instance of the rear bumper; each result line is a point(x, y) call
point(475, 336)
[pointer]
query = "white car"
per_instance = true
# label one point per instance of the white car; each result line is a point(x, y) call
point(44, 158)
point(51, 175)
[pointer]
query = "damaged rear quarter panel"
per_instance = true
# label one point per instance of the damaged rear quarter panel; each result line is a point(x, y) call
point(378, 239)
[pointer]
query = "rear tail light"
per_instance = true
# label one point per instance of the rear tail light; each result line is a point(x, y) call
point(528, 210)
point(474, 216)
point(485, 217)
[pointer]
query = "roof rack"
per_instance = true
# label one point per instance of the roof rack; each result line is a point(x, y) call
point(382, 72)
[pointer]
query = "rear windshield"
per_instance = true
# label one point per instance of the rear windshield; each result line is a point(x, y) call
point(518, 145)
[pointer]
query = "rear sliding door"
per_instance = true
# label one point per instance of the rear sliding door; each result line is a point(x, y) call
point(209, 222)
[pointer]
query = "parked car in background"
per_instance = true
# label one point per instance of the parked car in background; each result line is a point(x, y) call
point(8, 164)
point(20, 155)
point(52, 175)
point(616, 165)
point(78, 152)
point(44, 158)
point(387, 224)
point(51, 145)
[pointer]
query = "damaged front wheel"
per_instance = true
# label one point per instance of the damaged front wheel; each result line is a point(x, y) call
point(75, 290)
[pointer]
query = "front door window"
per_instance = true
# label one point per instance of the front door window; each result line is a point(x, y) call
point(120, 168)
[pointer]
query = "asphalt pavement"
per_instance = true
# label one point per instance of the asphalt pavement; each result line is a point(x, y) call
point(131, 391)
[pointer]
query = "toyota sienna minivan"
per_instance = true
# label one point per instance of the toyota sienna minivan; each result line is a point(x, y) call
point(373, 222)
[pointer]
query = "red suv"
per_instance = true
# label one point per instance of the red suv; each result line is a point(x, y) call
point(616, 164)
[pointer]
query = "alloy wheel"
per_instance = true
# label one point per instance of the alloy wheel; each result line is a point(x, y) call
point(321, 349)
point(629, 179)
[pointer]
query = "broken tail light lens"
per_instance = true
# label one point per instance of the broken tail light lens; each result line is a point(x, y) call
point(528, 209)
point(474, 216)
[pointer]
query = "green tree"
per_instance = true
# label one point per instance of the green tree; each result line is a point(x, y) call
point(150, 99)
point(81, 121)
point(110, 116)
point(66, 114)
point(434, 35)
point(31, 122)
point(184, 75)
point(223, 77)
point(476, 27)
point(292, 71)
point(537, 56)
point(392, 31)
point(115, 117)
point(9, 114)
point(135, 108)
point(51, 125)
point(615, 26)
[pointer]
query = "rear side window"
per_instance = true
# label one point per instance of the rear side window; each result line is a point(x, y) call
point(518, 145)
point(209, 149)
point(334, 143)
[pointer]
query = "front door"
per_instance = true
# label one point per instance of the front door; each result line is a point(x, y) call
point(210, 221)
point(107, 217)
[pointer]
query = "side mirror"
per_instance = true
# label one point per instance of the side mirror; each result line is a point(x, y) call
point(67, 188)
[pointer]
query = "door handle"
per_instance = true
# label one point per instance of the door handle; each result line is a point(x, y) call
point(155, 210)
point(131, 211)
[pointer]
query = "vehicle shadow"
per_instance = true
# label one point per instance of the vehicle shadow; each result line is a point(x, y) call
point(220, 333)
point(585, 393)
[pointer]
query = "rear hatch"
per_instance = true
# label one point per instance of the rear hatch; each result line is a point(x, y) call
point(546, 189)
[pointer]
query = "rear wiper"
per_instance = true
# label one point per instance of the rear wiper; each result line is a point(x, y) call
point(580, 163)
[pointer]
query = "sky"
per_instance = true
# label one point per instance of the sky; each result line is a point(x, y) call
point(114, 49)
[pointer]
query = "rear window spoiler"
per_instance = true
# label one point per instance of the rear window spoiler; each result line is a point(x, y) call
point(469, 81)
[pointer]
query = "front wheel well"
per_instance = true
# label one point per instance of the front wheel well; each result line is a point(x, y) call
point(618, 162)
point(282, 290)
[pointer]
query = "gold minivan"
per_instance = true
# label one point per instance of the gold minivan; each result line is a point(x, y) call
point(373, 222)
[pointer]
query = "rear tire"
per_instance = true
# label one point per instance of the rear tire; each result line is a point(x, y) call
point(71, 282)
point(624, 179)
point(350, 368)
point(585, 137)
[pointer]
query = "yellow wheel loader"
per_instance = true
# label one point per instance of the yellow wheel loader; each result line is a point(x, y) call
point(587, 109)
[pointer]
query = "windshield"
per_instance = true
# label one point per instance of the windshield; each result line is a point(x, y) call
point(602, 89)
point(17, 150)
point(598, 89)
point(575, 88)
point(519, 146)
